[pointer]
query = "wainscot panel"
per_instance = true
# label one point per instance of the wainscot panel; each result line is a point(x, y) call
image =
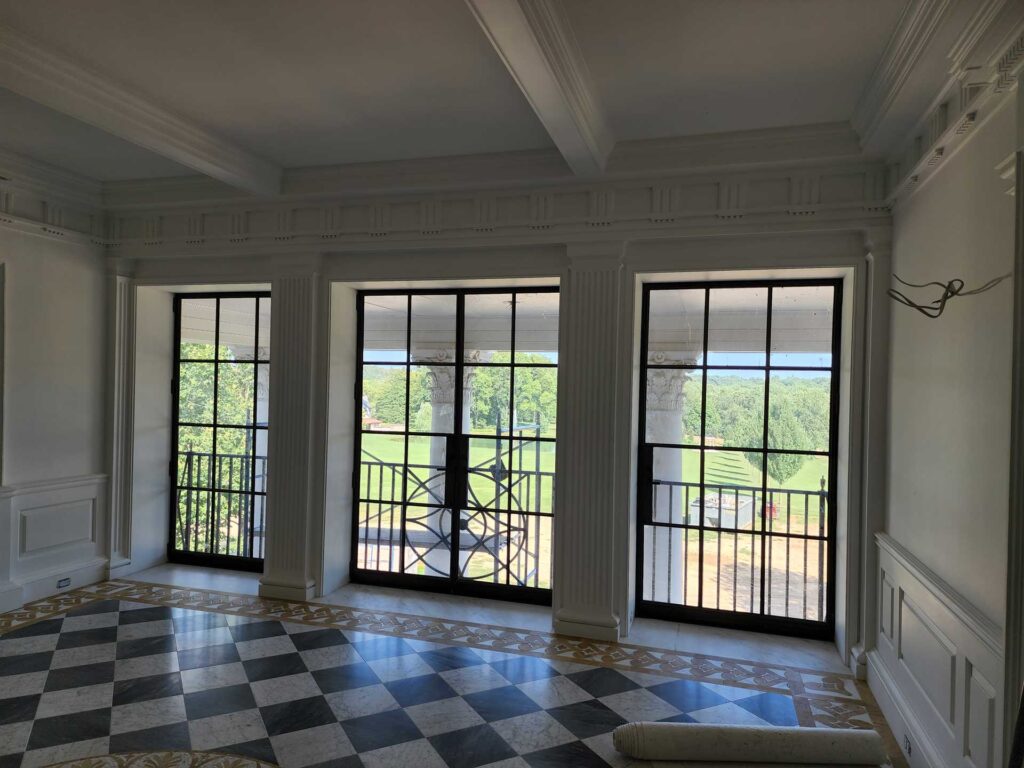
point(937, 666)
point(58, 535)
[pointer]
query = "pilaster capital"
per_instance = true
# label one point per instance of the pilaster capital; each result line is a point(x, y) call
point(599, 255)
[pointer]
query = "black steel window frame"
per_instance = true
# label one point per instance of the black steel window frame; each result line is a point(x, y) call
point(186, 556)
point(755, 621)
point(457, 492)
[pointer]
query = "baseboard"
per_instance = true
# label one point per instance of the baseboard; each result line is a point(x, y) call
point(78, 574)
point(10, 596)
point(901, 718)
point(591, 631)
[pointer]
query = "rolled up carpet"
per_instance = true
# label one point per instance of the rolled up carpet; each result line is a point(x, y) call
point(697, 742)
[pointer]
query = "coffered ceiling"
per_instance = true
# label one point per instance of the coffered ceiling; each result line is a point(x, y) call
point(247, 91)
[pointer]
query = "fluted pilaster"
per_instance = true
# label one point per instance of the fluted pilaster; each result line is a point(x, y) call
point(293, 340)
point(587, 509)
point(121, 410)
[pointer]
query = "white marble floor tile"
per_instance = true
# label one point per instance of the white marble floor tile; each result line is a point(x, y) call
point(442, 716)
point(359, 702)
point(536, 730)
point(205, 678)
point(311, 746)
point(417, 753)
point(147, 714)
point(287, 688)
point(65, 702)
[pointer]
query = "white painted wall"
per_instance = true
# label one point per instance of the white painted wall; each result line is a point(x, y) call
point(937, 664)
point(950, 377)
point(55, 359)
point(154, 359)
point(53, 508)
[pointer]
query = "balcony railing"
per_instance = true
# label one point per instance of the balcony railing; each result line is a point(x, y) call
point(499, 531)
point(721, 563)
point(220, 504)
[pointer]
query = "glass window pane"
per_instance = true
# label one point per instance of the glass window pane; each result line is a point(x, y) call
point(425, 473)
point(433, 328)
point(536, 408)
point(195, 449)
point(537, 327)
point(732, 490)
point(432, 398)
point(385, 328)
point(734, 415)
point(488, 328)
point(427, 541)
point(799, 410)
point(262, 394)
point(732, 571)
point(802, 326)
point(232, 463)
point(737, 324)
point(235, 393)
point(195, 393)
point(486, 390)
point(675, 495)
point(198, 329)
point(260, 457)
point(383, 404)
point(531, 466)
point(263, 342)
point(380, 537)
point(672, 407)
point(382, 466)
point(237, 340)
point(675, 326)
point(483, 536)
point(488, 473)
point(798, 494)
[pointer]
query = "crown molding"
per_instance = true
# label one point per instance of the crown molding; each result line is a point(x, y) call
point(914, 32)
point(985, 84)
point(804, 196)
point(736, 150)
point(536, 43)
point(19, 173)
point(74, 90)
point(659, 158)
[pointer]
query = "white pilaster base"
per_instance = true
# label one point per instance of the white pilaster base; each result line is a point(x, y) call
point(592, 627)
point(274, 591)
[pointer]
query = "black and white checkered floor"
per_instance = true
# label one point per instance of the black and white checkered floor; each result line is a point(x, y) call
point(115, 676)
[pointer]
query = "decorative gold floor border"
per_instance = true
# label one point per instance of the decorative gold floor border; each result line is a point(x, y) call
point(820, 699)
point(165, 759)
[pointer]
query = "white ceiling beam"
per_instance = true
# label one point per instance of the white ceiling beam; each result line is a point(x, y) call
point(537, 45)
point(71, 89)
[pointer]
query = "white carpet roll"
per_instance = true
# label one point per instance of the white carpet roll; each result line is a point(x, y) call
point(696, 742)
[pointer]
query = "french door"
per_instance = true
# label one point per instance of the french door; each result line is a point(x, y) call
point(737, 456)
point(220, 421)
point(457, 396)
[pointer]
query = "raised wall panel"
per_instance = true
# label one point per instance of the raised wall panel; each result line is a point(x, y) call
point(930, 657)
point(886, 605)
point(979, 718)
point(57, 529)
point(57, 525)
point(937, 667)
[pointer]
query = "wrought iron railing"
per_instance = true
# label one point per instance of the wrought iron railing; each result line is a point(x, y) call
point(220, 504)
point(792, 523)
point(505, 496)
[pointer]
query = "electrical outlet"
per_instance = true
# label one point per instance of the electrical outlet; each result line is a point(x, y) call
point(907, 746)
point(65, 582)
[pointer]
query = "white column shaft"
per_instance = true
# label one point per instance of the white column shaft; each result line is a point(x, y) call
point(290, 449)
point(585, 588)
